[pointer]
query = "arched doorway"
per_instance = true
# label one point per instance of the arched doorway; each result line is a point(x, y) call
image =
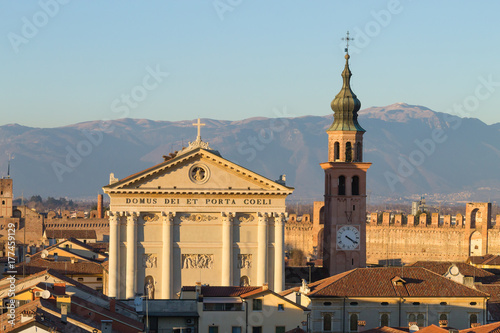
point(476, 244)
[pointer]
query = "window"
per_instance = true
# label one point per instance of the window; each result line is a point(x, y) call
point(420, 320)
point(355, 185)
point(236, 329)
point(341, 185)
point(256, 329)
point(257, 305)
point(412, 318)
point(99, 279)
point(80, 279)
point(443, 316)
point(336, 151)
point(280, 329)
point(353, 327)
point(327, 322)
point(213, 329)
point(384, 319)
point(281, 307)
point(348, 152)
point(472, 319)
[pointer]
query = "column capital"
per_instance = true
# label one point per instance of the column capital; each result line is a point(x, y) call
point(263, 217)
point(168, 217)
point(278, 218)
point(228, 217)
point(132, 217)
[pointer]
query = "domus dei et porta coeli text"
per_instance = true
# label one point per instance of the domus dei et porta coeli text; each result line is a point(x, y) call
point(196, 217)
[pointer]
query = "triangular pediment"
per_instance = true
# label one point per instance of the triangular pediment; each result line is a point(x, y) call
point(199, 171)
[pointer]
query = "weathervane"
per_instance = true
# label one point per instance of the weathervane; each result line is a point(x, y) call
point(347, 39)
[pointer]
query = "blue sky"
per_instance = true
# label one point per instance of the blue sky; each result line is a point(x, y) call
point(72, 61)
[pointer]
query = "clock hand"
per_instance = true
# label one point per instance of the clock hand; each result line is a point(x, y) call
point(349, 238)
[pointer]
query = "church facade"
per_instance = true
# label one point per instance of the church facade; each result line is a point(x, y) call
point(196, 217)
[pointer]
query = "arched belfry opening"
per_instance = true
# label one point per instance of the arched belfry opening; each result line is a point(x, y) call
point(355, 185)
point(336, 151)
point(341, 185)
point(348, 152)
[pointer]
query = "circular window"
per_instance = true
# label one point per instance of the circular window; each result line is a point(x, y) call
point(199, 173)
point(327, 303)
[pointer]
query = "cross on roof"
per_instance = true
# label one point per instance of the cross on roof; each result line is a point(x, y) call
point(199, 124)
point(347, 39)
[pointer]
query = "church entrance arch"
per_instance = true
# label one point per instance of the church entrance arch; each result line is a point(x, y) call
point(476, 244)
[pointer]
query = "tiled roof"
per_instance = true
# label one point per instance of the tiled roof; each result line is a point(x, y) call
point(208, 291)
point(489, 259)
point(488, 328)
point(377, 282)
point(433, 329)
point(441, 267)
point(62, 233)
point(296, 330)
point(386, 329)
point(494, 302)
point(44, 314)
point(62, 267)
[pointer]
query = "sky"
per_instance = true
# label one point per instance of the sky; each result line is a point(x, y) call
point(64, 62)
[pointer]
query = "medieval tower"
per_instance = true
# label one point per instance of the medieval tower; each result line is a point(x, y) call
point(344, 242)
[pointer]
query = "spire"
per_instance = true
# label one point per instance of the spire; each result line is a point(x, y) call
point(346, 105)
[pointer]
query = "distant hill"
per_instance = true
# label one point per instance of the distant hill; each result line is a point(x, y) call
point(414, 151)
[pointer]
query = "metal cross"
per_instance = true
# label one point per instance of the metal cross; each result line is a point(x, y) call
point(347, 39)
point(199, 124)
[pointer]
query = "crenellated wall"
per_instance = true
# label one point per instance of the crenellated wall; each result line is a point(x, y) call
point(402, 238)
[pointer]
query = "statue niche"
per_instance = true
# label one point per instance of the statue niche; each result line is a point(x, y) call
point(149, 287)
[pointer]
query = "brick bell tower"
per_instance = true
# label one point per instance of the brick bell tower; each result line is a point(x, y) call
point(344, 240)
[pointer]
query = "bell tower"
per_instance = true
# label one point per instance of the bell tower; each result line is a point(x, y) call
point(344, 240)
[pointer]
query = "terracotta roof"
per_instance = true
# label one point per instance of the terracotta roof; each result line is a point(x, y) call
point(63, 233)
point(489, 259)
point(433, 329)
point(43, 314)
point(377, 282)
point(494, 302)
point(441, 267)
point(296, 330)
point(386, 329)
point(208, 291)
point(62, 267)
point(488, 328)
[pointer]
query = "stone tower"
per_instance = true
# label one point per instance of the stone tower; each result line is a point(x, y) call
point(344, 242)
point(6, 197)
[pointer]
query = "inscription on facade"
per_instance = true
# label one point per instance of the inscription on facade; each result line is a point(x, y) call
point(197, 201)
point(190, 261)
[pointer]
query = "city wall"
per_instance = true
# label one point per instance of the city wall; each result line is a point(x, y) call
point(398, 238)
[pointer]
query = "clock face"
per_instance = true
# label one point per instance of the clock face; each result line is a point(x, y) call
point(348, 238)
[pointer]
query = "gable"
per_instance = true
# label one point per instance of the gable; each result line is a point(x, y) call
point(199, 170)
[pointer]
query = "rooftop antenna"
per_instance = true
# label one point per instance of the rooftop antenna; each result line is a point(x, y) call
point(347, 39)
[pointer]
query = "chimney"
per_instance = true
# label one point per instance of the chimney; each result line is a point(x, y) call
point(100, 214)
point(197, 288)
point(112, 305)
point(106, 326)
point(64, 313)
point(265, 286)
point(60, 288)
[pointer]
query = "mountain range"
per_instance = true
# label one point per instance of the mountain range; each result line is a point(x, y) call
point(415, 152)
